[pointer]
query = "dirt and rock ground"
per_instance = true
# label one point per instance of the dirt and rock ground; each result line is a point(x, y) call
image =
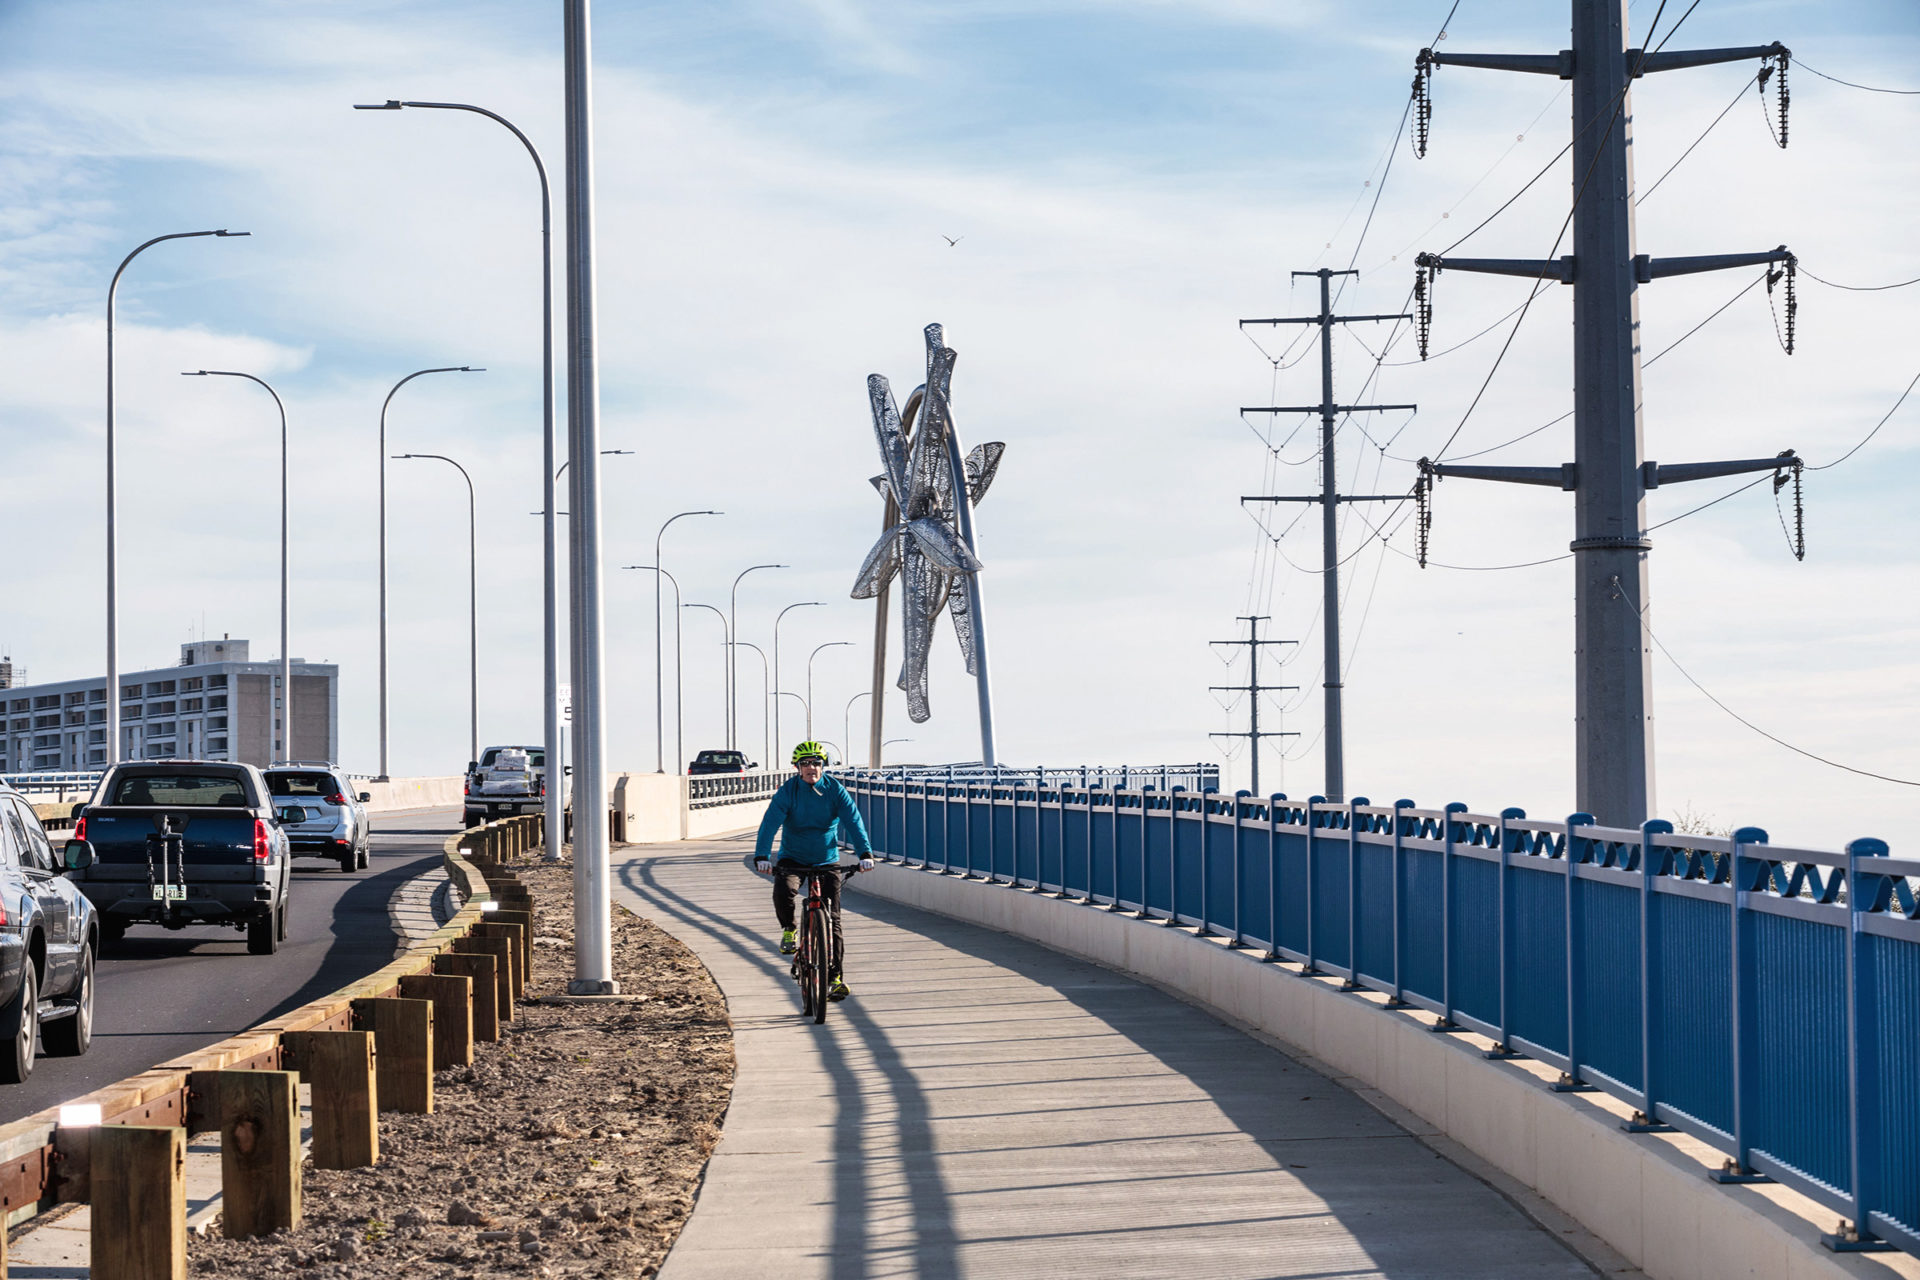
point(572, 1146)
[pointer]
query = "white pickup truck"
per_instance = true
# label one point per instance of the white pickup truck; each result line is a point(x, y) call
point(505, 782)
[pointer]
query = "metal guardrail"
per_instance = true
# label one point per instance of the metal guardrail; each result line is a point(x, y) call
point(711, 790)
point(61, 786)
point(1162, 777)
point(1765, 1000)
point(44, 1164)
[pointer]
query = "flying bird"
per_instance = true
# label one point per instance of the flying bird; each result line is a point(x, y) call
point(951, 240)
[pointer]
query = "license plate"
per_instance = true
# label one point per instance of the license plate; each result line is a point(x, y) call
point(169, 893)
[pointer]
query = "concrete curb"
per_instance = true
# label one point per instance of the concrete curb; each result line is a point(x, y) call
point(1645, 1195)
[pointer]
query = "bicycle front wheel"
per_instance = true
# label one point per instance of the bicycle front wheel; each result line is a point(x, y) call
point(820, 941)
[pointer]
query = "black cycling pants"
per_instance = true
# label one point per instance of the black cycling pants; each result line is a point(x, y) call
point(790, 882)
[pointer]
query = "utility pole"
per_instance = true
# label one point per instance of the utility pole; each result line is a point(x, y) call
point(1608, 476)
point(1329, 498)
point(1253, 689)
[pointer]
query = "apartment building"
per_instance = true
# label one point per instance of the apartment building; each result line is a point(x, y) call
point(215, 705)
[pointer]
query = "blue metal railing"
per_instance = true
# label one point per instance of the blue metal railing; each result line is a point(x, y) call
point(1765, 1000)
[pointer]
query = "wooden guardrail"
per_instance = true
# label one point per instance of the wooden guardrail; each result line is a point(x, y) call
point(371, 1046)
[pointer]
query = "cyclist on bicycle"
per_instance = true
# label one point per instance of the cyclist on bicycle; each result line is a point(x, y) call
point(807, 810)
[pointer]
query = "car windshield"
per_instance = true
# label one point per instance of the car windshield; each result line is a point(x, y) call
point(302, 784)
point(721, 757)
point(536, 758)
point(188, 790)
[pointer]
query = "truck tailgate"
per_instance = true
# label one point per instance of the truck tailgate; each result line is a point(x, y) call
point(218, 843)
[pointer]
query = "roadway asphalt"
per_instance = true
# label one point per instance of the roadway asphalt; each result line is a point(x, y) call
point(162, 994)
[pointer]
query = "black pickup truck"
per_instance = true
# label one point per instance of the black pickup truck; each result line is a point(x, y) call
point(176, 843)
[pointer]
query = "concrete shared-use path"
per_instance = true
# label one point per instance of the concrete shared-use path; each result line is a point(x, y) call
point(983, 1106)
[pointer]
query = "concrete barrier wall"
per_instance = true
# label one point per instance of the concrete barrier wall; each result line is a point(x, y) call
point(655, 806)
point(1648, 1196)
point(413, 793)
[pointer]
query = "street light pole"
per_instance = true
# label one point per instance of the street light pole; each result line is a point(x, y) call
point(766, 689)
point(846, 728)
point(461, 368)
point(679, 712)
point(557, 792)
point(726, 646)
point(778, 741)
point(659, 699)
point(733, 675)
point(806, 706)
point(285, 744)
point(889, 742)
point(113, 540)
point(473, 609)
point(831, 644)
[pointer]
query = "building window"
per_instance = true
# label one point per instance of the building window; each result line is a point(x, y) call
point(46, 700)
point(216, 722)
point(77, 717)
point(159, 708)
point(76, 697)
point(164, 729)
point(130, 713)
point(159, 686)
point(192, 704)
point(96, 735)
point(216, 682)
point(19, 704)
point(42, 741)
point(131, 691)
point(192, 682)
point(96, 695)
point(97, 716)
point(46, 762)
point(218, 702)
point(46, 722)
point(97, 757)
point(159, 750)
point(216, 744)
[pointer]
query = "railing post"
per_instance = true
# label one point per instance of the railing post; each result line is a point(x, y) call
point(1173, 856)
point(139, 1202)
point(1446, 1022)
point(1113, 824)
point(1145, 791)
point(259, 1152)
point(338, 1068)
point(1239, 939)
point(1652, 865)
point(1399, 918)
point(1274, 802)
point(452, 998)
point(1575, 947)
point(1313, 880)
point(1863, 1110)
point(1502, 1049)
point(1206, 878)
point(1743, 1055)
point(402, 1051)
point(1353, 893)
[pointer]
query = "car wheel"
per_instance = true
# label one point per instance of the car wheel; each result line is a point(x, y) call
point(70, 1037)
point(280, 918)
point(366, 856)
point(349, 860)
point(19, 1022)
point(262, 935)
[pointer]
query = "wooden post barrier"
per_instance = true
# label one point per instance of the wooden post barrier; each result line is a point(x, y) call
point(501, 949)
point(483, 985)
point(402, 1051)
point(452, 997)
point(524, 920)
point(492, 927)
point(338, 1067)
point(139, 1203)
point(259, 1151)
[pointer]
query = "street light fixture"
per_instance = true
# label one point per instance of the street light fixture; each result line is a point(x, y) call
point(284, 745)
point(459, 368)
point(733, 674)
point(831, 644)
point(726, 647)
point(679, 711)
point(766, 688)
point(778, 741)
point(805, 706)
point(113, 539)
point(889, 742)
point(846, 727)
point(659, 698)
point(473, 609)
point(557, 794)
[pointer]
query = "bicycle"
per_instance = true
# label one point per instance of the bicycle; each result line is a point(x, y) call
point(813, 962)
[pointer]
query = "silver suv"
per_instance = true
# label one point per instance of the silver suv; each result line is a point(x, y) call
point(335, 825)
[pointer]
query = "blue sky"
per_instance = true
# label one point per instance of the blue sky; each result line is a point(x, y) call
point(1128, 179)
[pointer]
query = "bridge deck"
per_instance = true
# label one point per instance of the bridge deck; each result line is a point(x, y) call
point(983, 1106)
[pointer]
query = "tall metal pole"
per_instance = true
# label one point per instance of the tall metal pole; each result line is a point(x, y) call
point(831, 644)
point(556, 822)
point(1335, 736)
point(592, 873)
point(285, 744)
point(766, 692)
point(963, 511)
point(659, 699)
point(473, 608)
point(384, 774)
point(726, 646)
point(113, 536)
point(733, 672)
point(780, 744)
point(846, 729)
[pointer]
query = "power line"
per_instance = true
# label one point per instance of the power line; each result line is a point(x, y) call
point(1860, 288)
point(1851, 85)
point(1642, 198)
point(1876, 428)
point(1774, 738)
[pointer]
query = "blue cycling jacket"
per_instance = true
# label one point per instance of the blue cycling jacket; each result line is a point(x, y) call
point(808, 820)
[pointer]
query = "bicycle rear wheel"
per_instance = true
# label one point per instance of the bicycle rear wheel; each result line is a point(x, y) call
point(803, 970)
point(820, 940)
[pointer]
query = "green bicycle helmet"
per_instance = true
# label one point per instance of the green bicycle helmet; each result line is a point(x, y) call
point(809, 750)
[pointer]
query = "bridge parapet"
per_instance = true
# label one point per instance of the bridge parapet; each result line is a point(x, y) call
point(1762, 1000)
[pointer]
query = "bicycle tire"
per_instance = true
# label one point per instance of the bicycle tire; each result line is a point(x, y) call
point(821, 975)
point(803, 970)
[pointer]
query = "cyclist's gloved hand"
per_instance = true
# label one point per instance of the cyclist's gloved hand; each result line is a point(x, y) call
point(866, 864)
point(762, 865)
